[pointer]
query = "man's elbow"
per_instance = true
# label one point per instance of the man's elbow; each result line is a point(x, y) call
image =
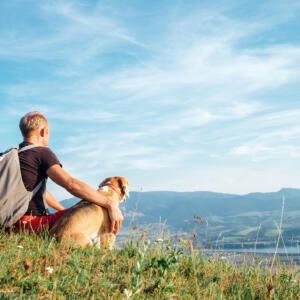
point(73, 186)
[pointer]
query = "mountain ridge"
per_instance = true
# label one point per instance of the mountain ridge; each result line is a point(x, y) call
point(239, 216)
point(173, 205)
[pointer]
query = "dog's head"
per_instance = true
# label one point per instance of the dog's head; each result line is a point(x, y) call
point(119, 184)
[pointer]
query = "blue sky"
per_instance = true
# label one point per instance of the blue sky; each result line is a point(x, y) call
point(174, 95)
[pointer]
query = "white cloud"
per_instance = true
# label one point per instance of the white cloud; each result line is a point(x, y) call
point(85, 115)
point(74, 35)
point(273, 135)
point(263, 152)
point(131, 101)
point(21, 90)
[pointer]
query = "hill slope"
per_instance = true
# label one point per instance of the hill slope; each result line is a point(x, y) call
point(235, 217)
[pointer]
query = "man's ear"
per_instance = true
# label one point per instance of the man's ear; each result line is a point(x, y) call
point(43, 131)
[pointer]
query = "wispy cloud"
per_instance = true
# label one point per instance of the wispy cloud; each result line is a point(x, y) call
point(72, 35)
point(185, 87)
point(263, 152)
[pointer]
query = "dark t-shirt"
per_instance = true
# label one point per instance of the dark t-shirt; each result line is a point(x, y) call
point(34, 163)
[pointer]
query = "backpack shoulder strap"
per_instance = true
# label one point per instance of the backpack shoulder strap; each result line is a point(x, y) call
point(27, 148)
point(36, 189)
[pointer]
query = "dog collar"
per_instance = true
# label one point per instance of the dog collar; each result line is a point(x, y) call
point(112, 187)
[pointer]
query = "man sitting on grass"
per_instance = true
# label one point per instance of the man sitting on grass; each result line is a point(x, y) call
point(39, 163)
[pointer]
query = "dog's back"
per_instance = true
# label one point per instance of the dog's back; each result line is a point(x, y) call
point(83, 218)
point(86, 222)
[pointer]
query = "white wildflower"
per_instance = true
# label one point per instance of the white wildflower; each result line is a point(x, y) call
point(138, 266)
point(49, 269)
point(20, 246)
point(127, 293)
point(159, 240)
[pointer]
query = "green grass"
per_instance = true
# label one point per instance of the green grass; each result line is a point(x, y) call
point(138, 270)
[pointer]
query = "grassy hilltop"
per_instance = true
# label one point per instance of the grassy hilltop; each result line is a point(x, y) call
point(39, 268)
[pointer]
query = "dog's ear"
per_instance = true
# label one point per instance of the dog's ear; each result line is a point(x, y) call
point(105, 181)
point(123, 186)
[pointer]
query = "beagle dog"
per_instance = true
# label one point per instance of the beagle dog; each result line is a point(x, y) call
point(87, 223)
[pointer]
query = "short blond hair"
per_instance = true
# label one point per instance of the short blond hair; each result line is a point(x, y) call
point(31, 121)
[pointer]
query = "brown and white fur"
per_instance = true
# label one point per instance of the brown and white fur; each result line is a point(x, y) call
point(87, 223)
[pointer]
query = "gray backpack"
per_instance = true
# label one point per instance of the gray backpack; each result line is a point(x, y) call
point(14, 198)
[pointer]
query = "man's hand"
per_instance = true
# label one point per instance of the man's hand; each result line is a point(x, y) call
point(116, 218)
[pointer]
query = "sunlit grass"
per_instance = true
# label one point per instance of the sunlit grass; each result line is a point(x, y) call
point(38, 267)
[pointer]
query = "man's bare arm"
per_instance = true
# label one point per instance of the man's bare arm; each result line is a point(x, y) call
point(82, 190)
point(52, 202)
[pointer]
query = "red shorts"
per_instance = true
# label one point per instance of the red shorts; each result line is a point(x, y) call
point(38, 223)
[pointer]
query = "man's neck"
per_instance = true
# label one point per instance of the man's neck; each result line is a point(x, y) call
point(34, 140)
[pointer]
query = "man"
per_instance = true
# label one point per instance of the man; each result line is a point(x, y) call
point(37, 164)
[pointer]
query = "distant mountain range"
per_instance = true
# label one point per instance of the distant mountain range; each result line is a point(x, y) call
point(215, 215)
